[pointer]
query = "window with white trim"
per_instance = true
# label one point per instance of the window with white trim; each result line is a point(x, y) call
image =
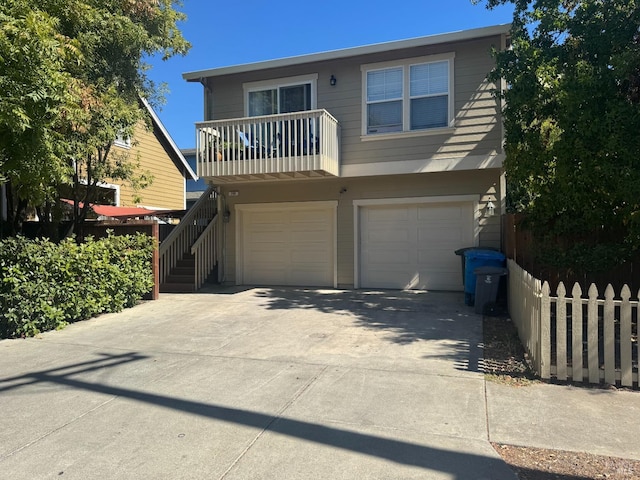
point(284, 95)
point(413, 96)
point(384, 100)
point(122, 141)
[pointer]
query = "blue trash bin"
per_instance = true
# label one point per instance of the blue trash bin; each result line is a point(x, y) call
point(476, 259)
point(460, 253)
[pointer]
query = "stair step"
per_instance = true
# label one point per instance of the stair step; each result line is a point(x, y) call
point(173, 278)
point(177, 288)
point(186, 263)
point(183, 271)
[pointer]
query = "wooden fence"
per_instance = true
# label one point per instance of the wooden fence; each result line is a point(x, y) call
point(582, 339)
point(518, 244)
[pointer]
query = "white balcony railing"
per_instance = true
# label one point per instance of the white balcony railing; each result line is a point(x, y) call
point(269, 146)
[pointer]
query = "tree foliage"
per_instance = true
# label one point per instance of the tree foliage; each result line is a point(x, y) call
point(572, 123)
point(72, 73)
point(33, 82)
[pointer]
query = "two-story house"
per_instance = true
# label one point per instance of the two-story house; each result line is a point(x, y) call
point(365, 167)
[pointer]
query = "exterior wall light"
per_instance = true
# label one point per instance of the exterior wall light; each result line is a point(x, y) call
point(333, 81)
point(491, 209)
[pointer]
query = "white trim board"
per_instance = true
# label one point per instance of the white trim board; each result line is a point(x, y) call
point(471, 162)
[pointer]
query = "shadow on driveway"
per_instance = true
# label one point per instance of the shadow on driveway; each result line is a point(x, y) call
point(406, 317)
point(458, 464)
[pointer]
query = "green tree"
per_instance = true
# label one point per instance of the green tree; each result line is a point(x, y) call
point(95, 75)
point(572, 122)
point(34, 86)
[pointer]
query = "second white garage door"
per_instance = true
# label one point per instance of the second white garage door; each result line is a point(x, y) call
point(287, 244)
point(412, 246)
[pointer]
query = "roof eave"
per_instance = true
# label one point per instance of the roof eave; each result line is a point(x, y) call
point(461, 35)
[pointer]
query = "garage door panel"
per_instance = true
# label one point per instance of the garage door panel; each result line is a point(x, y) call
point(393, 233)
point(268, 276)
point(265, 238)
point(435, 251)
point(317, 270)
point(445, 234)
point(309, 216)
point(267, 260)
point(441, 213)
point(416, 250)
point(264, 217)
point(301, 257)
point(314, 237)
point(388, 214)
point(288, 246)
point(386, 257)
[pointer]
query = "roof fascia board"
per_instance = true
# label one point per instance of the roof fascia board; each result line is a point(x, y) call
point(461, 35)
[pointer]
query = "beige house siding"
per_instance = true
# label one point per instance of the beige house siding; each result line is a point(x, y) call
point(484, 184)
point(477, 129)
point(167, 190)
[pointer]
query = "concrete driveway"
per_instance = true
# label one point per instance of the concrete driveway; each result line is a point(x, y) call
point(253, 384)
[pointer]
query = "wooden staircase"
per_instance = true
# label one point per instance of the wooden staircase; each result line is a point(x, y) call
point(180, 278)
point(189, 255)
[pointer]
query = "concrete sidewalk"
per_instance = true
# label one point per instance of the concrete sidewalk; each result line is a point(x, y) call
point(271, 384)
point(597, 421)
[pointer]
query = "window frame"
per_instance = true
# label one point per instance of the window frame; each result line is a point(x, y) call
point(122, 141)
point(406, 65)
point(277, 83)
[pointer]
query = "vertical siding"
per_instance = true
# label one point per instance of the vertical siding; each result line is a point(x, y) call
point(167, 188)
point(484, 184)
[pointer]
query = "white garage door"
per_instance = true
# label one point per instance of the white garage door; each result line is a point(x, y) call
point(288, 245)
point(412, 246)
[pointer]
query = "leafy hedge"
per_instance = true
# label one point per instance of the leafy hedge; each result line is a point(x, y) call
point(45, 286)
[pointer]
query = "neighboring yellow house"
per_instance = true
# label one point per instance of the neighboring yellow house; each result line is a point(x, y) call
point(158, 155)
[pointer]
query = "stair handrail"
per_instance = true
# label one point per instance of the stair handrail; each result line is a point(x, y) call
point(179, 241)
point(205, 232)
point(187, 219)
point(206, 253)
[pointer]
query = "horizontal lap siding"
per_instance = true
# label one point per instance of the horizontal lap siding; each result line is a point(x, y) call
point(167, 187)
point(481, 183)
point(478, 130)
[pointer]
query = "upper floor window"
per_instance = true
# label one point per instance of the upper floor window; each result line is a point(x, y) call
point(122, 141)
point(280, 96)
point(414, 95)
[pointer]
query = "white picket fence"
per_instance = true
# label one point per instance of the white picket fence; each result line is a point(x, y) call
point(591, 339)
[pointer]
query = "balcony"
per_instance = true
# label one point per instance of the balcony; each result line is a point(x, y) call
point(293, 145)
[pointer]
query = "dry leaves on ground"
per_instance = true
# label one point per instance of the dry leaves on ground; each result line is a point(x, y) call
point(543, 464)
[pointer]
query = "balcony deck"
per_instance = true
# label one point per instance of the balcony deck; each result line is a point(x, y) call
point(271, 147)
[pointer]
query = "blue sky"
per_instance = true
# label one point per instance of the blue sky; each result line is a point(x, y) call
point(231, 33)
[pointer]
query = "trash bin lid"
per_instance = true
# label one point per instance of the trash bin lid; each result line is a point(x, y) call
point(488, 254)
point(461, 251)
point(490, 271)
